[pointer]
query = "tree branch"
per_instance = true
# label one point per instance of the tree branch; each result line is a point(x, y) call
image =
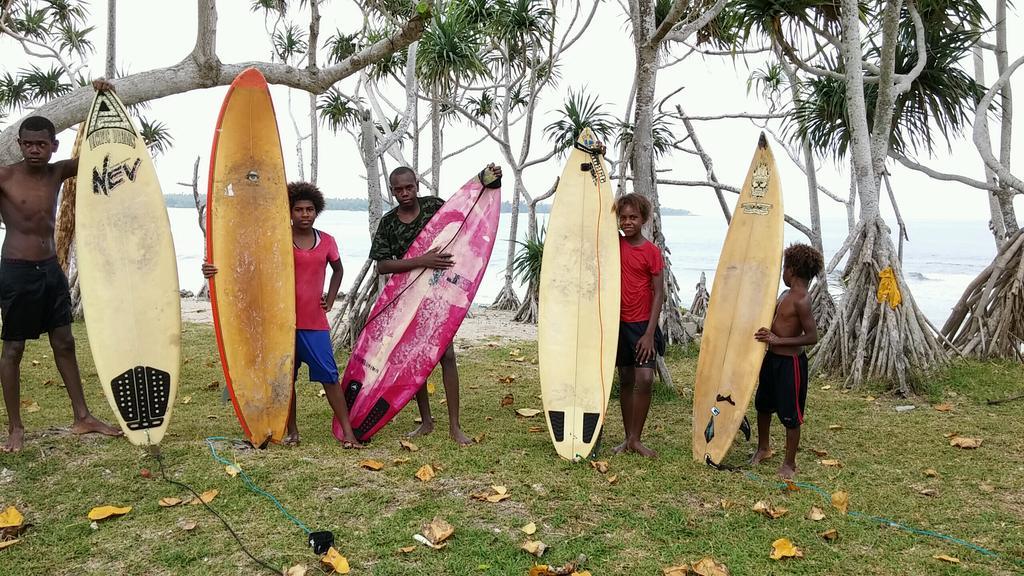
point(688, 29)
point(943, 176)
point(981, 130)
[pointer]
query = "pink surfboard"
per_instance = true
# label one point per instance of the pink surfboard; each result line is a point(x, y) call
point(417, 315)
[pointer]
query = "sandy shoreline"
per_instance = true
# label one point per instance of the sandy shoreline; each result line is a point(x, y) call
point(482, 324)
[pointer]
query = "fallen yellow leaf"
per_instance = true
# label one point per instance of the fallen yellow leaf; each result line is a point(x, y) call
point(437, 531)
point(707, 566)
point(495, 498)
point(819, 453)
point(101, 512)
point(426, 473)
point(405, 444)
point(841, 501)
point(949, 434)
point(530, 529)
point(371, 465)
point(535, 429)
point(32, 407)
point(507, 379)
point(527, 412)
point(431, 387)
point(535, 547)
point(187, 525)
point(297, 570)
point(599, 465)
point(826, 387)
point(11, 518)
point(507, 400)
point(945, 558)
point(965, 443)
point(205, 497)
point(479, 437)
point(835, 427)
point(186, 399)
point(830, 534)
point(783, 548)
point(398, 461)
point(931, 492)
point(683, 570)
point(406, 549)
point(762, 507)
point(169, 501)
point(335, 561)
point(232, 470)
point(831, 463)
point(613, 479)
point(816, 514)
point(9, 543)
point(931, 473)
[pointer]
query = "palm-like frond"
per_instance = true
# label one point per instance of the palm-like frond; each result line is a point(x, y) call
point(340, 46)
point(578, 112)
point(14, 92)
point(527, 262)
point(338, 110)
point(75, 40)
point(449, 52)
point(289, 42)
point(156, 136)
point(661, 132)
point(44, 85)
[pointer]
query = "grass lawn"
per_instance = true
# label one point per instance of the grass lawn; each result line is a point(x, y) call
point(657, 513)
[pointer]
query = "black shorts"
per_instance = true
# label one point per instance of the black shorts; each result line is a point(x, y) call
point(34, 298)
point(629, 334)
point(783, 388)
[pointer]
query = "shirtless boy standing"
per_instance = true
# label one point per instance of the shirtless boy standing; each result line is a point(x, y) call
point(34, 295)
point(783, 386)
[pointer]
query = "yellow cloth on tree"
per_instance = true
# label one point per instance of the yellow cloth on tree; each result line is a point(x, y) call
point(888, 288)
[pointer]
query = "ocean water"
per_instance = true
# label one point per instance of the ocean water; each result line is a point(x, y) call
point(941, 258)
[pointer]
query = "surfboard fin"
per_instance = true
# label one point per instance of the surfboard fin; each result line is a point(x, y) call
point(709, 430)
point(745, 428)
point(321, 542)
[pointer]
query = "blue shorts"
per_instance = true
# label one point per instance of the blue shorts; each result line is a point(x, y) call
point(313, 348)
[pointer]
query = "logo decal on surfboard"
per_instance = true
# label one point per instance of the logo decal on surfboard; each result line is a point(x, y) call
point(759, 181)
point(109, 123)
point(757, 208)
point(110, 176)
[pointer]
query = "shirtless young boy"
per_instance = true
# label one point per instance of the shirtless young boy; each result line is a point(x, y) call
point(34, 295)
point(783, 382)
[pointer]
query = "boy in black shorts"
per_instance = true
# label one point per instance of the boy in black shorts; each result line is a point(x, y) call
point(640, 339)
point(783, 386)
point(34, 296)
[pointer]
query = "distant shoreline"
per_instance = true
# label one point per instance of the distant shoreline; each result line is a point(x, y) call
point(360, 205)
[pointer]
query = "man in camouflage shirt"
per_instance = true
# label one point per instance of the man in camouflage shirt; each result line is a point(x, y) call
point(395, 233)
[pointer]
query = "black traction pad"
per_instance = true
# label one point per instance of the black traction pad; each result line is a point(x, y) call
point(351, 391)
point(557, 420)
point(380, 408)
point(142, 396)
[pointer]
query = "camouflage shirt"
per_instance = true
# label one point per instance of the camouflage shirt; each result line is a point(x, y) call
point(394, 237)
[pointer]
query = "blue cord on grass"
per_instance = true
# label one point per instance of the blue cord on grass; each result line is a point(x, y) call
point(250, 484)
point(891, 523)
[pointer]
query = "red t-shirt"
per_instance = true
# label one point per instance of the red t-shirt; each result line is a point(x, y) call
point(310, 272)
point(639, 265)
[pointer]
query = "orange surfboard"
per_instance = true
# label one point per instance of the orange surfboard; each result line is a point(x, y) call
point(248, 238)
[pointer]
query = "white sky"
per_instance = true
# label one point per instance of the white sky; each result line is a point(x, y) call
point(155, 34)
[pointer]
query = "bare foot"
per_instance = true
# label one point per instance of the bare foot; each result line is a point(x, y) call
point(15, 441)
point(291, 439)
point(787, 471)
point(761, 455)
point(91, 425)
point(460, 437)
point(422, 430)
point(620, 448)
point(638, 448)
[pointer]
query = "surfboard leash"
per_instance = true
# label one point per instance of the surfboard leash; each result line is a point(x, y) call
point(885, 521)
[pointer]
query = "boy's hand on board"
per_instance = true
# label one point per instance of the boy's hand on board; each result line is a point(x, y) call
point(436, 260)
point(209, 270)
point(765, 335)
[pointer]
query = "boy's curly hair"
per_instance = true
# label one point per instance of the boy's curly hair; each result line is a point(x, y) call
point(306, 191)
point(637, 202)
point(804, 261)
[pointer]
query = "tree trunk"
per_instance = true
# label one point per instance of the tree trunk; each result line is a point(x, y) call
point(436, 146)
point(314, 126)
point(507, 299)
point(111, 67)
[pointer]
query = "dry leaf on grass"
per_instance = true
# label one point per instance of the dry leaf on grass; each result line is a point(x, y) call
point(535, 429)
point(965, 443)
point(426, 473)
point(707, 566)
point(945, 558)
point(479, 437)
point(986, 487)
point(530, 529)
point(494, 494)
point(784, 548)
point(683, 570)
point(31, 406)
point(762, 507)
point(527, 412)
point(830, 534)
point(297, 570)
point(187, 525)
point(790, 485)
point(186, 399)
point(816, 514)
point(232, 470)
point(335, 562)
point(437, 531)
point(507, 400)
point(371, 465)
point(519, 358)
point(819, 453)
point(535, 547)
point(169, 501)
point(406, 445)
point(831, 463)
point(835, 427)
point(11, 518)
point(102, 512)
point(9, 543)
point(930, 492)
point(944, 407)
point(205, 497)
point(950, 434)
point(406, 549)
point(613, 479)
point(841, 501)
point(507, 379)
point(398, 461)
point(931, 473)
point(599, 465)
point(726, 504)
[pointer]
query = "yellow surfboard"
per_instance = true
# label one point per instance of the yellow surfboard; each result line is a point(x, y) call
point(128, 272)
point(742, 300)
point(249, 239)
point(578, 323)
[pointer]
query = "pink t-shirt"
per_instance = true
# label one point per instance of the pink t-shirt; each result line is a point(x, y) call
point(310, 272)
